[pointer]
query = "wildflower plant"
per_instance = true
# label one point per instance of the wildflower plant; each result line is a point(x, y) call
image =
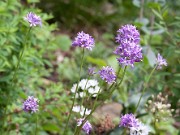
point(128, 52)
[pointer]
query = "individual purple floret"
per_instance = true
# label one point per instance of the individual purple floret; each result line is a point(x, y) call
point(31, 104)
point(91, 71)
point(84, 40)
point(87, 127)
point(128, 33)
point(160, 61)
point(129, 120)
point(128, 53)
point(107, 73)
point(33, 19)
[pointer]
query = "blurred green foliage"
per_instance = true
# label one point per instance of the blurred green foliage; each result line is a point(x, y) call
point(35, 68)
point(50, 66)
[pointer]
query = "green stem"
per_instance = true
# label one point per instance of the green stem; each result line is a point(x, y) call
point(120, 81)
point(82, 59)
point(36, 123)
point(145, 86)
point(124, 132)
point(20, 56)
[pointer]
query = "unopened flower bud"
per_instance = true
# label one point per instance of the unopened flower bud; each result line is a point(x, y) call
point(168, 105)
point(149, 101)
point(162, 111)
point(153, 110)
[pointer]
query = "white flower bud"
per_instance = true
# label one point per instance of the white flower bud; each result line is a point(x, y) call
point(153, 110)
point(149, 101)
point(168, 105)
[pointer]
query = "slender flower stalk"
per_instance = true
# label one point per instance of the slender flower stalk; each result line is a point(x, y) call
point(145, 86)
point(36, 124)
point(82, 60)
point(21, 55)
point(117, 85)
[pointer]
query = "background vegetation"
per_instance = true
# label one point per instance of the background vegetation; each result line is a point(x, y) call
point(49, 67)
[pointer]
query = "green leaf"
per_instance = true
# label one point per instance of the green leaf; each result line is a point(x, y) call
point(157, 14)
point(50, 127)
point(96, 61)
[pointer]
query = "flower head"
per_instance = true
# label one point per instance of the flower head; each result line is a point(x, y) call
point(160, 61)
point(140, 130)
point(31, 104)
point(84, 40)
point(87, 127)
point(128, 53)
point(129, 120)
point(159, 107)
point(129, 50)
point(128, 33)
point(107, 73)
point(33, 19)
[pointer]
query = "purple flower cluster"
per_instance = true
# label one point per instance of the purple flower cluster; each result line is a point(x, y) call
point(129, 120)
point(33, 19)
point(87, 127)
point(129, 50)
point(31, 104)
point(107, 73)
point(135, 126)
point(128, 33)
point(160, 61)
point(84, 40)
